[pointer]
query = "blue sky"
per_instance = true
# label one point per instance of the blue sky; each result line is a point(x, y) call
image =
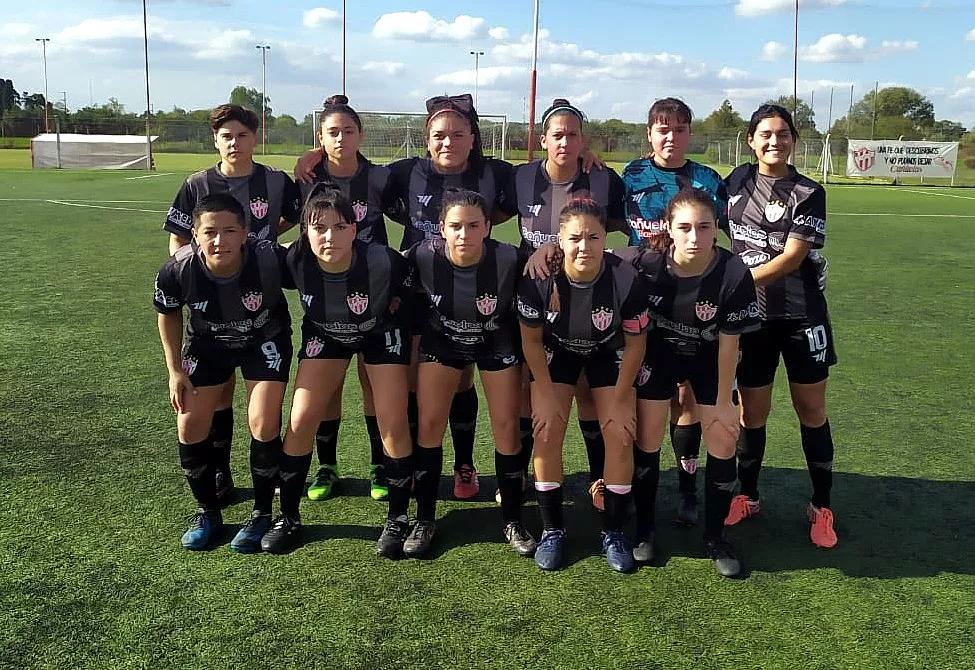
point(611, 57)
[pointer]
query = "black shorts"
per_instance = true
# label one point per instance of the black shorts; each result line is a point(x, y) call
point(435, 349)
point(418, 313)
point(663, 370)
point(806, 347)
point(213, 366)
point(602, 367)
point(390, 346)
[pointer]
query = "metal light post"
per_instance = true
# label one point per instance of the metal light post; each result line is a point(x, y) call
point(477, 55)
point(145, 37)
point(264, 49)
point(795, 64)
point(343, 47)
point(44, 41)
point(531, 89)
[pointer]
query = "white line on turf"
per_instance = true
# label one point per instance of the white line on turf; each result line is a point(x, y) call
point(158, 202)
point(927, 192)
point(120, 209)
point(150, 176)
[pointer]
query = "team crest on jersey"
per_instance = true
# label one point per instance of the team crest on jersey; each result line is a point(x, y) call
point(314, 347)
point(357, 302)
point(602, 318)
point(705, 310)
point(643, 376)
point(259, 208)
point(189, 365)
point(774, 210)
point(360, 209)
point(486, 304)
point(252, 301)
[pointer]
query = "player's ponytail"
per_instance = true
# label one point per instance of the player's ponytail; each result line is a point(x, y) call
point(339, 104)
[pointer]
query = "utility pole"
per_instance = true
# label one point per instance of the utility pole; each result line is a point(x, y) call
point(264, 49)
point(477, 55)
point(873, 123)
point(343, 47)
point(44, 41)
point(145, 36)
point(531, 89)
point(795, 64)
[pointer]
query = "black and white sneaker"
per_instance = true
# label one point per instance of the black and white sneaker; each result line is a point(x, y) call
point(390, 542)
point(643, 547)
point(519, 539)
point(723, 554)
point(282, 536)
point(418, 542)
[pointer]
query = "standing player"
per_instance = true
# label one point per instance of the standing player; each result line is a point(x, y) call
point(702, 299)
point(350, 293)
point(590, 316)
point(238, 317)
point(650, 184)
point(469, 282)
point(537, 194)
point(777, 218)
point(270, 202)
point(367, 186)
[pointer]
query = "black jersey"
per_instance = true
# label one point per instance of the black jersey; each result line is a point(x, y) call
point(350, 305)
point(369, 190)
point(420, 188)
point(471, 307)
point(227, 312)
point(688, 313)
point(537, 200)
point(592, 315)
point(266, 195)
point(764, 212)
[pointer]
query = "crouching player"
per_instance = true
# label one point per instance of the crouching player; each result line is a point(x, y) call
point(238, 318)
point(469, 282)
point(350, 293)
point(701, 298)
point(588, 317)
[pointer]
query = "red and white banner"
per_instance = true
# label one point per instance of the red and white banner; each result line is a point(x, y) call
point(892, 158)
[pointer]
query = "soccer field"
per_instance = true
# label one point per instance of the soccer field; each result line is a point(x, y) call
point(93, 502)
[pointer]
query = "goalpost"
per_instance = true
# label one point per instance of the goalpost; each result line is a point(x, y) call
point(389, 136)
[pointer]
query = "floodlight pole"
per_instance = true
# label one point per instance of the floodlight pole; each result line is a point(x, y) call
point(873, 122)
point(44, 41)
point(531, 89)
point(477, 55)
point(264, 48)
point(145, 37)
point(343, 47)
point(795, 64)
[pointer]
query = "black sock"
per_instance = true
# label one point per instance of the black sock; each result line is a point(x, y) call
point(595, 448)
point(293, 471)
point(550, 508)
point(686, 441)
point(265, 460)
point(375, 441)
point(427, 466)
point(646, 475)
point(616, 505)
point(719, 487)
point(399, 476)
point(751, 451)
point(195, 461)
point(510, 482)
point(222, 434)
point(817, 445)
point(463, 423)
point(413, 417)
point(327, 441)
point(526, 430)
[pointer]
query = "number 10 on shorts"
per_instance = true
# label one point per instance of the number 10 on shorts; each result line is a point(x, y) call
point(817, 342)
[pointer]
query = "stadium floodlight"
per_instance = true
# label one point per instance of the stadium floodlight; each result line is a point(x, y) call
point(44, 41)
point(477, 55)
point(264, 49)
point(531, 89)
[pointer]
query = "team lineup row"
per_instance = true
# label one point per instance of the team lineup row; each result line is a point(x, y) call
point(655, 329)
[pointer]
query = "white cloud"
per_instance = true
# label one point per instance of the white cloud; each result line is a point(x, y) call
point(225, 44)
point(970, 35)
point(383, 67)
point(888, 47)
point(962, 92)
point(732, 74)
point(319, 17)
point(971, 75)
point(762, 7)
point(486, 76)
point(499, 33)
point(15, 29)
point(422, 27)
point(835, 48)
point(772, 51)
